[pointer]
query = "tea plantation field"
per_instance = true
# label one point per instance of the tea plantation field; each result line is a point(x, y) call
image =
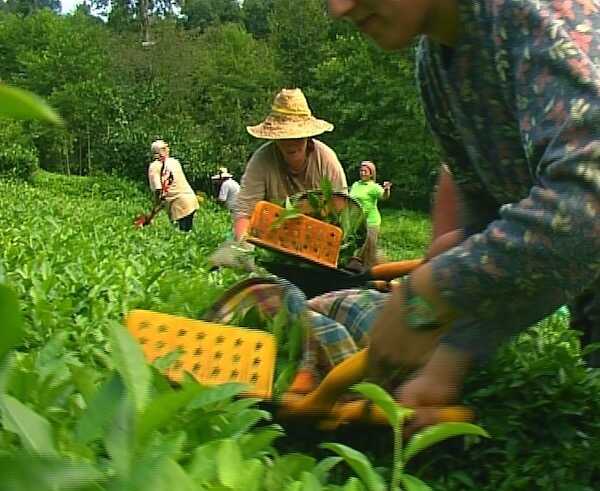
point(82, 411)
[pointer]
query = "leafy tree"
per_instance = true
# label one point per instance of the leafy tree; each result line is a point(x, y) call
point(299, 31)
point(200, 14)
point(236, 80)
point(371, 97)
point(256, 17)
point(18, 155)
point(28, 7)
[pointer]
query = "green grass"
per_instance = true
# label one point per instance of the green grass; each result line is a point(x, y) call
point(70, 251)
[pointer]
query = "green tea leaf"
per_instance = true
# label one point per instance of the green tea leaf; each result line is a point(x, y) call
point(131, 364)
point(213, 395)
point(229, 463)
point(395, 413)
point(19, 104)
point(353, 484)
point(412, 483)
point(324, 466)
point(326, 188)
point(287, 468)
point(244, 420)
point(33, 430)
point(119, 438)
point(22, 471)
point(12, 321)
point(203, 467)
point(94, 421)
point(309, 482)
point(359, 464)
point(257, 442)
point(253, 472)
point(164, 408)
point(434, 434)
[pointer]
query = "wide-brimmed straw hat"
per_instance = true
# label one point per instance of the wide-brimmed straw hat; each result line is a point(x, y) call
point(223, 173)
point(290, 117)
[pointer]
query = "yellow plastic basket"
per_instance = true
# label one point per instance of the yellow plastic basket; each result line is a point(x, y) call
point(303, 236)
point(212, 353)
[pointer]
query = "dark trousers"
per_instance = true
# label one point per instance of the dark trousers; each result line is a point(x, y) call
point(585, 317)
point(186, 223)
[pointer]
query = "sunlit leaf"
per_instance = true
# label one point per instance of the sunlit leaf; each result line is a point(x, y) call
point(19, 104)
point(33, 430)
point(395, 413)
point(436, 433)
point(360, 465)
point(131, 364)
point(412, 483)
point(229, 463)
point(353, 484)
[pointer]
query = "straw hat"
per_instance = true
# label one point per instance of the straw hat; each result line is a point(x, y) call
point(223, 172)
point(290, 118)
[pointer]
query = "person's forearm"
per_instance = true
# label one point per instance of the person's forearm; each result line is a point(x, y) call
point(446, 206)
point(240, 227)
point(423, 285)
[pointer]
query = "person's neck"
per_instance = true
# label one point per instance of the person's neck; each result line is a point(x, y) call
point(444, 25)
point(298, 170)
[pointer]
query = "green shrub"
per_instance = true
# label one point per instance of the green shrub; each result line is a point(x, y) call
point(18, 155)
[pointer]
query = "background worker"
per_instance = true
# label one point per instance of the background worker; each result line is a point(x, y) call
point(228, 188)
point(171, 188)
point(514, 102)
point(290, 162)
point(367, 192)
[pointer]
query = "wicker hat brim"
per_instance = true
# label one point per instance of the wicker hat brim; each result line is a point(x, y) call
point(282, 128)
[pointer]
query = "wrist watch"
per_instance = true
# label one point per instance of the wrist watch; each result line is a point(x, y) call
point(419, 313)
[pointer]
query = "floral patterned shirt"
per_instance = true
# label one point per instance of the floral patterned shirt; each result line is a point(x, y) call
point(515, 105)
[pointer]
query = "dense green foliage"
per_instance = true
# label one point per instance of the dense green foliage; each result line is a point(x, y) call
point(202, 79)
point(69, 251)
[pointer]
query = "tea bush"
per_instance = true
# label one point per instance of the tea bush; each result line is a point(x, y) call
point(69, 251)
point(18, 155)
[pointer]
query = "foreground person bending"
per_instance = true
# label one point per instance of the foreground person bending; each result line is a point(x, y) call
point(511, 92)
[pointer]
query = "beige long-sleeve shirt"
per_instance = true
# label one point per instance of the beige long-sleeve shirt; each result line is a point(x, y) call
point(180, 197)
point(267, 176)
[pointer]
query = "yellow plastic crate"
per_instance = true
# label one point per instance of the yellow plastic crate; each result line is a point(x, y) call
point(303, 236)
point(212, 353)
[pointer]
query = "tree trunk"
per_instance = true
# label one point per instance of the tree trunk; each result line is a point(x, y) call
point(89, 151)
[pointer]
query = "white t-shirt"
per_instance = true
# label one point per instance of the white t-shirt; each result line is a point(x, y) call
point(228, 193)
point(179, 195)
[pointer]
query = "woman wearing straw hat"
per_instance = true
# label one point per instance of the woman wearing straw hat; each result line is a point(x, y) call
point(367, 192)
point(290, 162)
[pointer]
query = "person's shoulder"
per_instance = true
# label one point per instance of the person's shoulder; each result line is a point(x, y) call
point(324, 151)
point(154, 165)
point(263, 155)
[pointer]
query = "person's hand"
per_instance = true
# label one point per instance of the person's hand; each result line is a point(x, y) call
point(387, 185)
point(394, 346)
point(142, 221)
point(233, 254)
point(437, 384)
